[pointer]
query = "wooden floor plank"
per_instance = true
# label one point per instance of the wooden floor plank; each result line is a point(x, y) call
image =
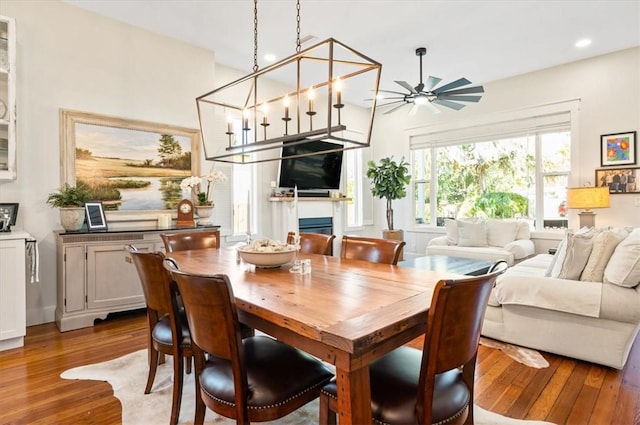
point(32, 392)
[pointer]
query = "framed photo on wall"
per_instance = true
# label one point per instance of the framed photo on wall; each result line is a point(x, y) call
point(618, 149)
point(619, 180)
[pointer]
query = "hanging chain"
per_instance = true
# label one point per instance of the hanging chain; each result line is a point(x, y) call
point(297, 26)
point(255, 35)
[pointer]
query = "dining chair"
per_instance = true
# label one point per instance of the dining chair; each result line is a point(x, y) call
point(313, 243)
point(386, 251)
point(500, 265)
point(435, 385)
point(168, 332)
point(181, 241)
point(203, 239)
point(252, 379)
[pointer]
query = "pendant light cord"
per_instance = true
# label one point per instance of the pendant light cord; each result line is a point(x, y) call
point(255, 35)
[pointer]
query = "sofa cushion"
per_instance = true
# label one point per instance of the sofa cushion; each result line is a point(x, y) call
point(451, 227)
point(623, 268)
point(472, 234)
point(524, 231)
point(501, 232)
point(573, 254)
point(603, 246)
point(480, 253)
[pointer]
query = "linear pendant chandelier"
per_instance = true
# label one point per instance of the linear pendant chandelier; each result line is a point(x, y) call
point(297, 101)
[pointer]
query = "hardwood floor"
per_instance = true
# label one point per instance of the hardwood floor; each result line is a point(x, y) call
point(567, 392)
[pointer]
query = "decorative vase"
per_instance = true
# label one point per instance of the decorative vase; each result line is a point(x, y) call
point(72, 219)
point(204, 213)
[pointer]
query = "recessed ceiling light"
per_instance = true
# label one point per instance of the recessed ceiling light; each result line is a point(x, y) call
point(270, 57)
point(583, 42)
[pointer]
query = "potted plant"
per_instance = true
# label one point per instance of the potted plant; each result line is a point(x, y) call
point(70, 200)
point(202, 198)
point(389, 181)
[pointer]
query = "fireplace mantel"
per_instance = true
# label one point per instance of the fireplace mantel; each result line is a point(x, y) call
point(283, 215)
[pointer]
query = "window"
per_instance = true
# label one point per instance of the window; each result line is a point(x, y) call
point(353, 183)
point(516, 168)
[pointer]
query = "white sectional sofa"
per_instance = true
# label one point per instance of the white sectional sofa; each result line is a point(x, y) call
point(584, 302)
point(484, 239)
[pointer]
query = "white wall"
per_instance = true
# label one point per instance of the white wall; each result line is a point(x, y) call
point(608, 87)
point(70, 58)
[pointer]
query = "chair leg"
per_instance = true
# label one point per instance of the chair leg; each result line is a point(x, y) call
point(177, 388)
point(153, 366)
point(327, 416)
point(188, 364)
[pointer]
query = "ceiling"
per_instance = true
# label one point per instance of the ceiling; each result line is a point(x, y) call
point(480, 40)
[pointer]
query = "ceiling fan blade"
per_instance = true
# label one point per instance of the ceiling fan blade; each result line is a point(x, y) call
point(460, 98)
point(407, 86)
point(395, 109)
point(468, 90)
point(432, 108)
point(391, 91)
point(448, 104)
point(431, 83)
point(452, 85)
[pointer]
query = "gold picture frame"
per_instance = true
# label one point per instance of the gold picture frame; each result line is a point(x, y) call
point(143, 161)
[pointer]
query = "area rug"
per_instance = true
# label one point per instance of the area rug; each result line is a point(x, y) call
point(526, 356)
point(127, 376)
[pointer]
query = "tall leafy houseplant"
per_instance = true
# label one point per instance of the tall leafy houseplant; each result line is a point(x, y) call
point(70, 200)
point(389, 181)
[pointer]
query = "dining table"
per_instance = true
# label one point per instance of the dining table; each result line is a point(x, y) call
point(345, 312)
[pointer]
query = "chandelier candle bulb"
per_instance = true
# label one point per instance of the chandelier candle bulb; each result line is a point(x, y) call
point(245, 120)
point(286, 107)
point(311, 95)
point(338, 93)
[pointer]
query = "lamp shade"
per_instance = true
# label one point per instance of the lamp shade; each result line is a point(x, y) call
point(588, 197)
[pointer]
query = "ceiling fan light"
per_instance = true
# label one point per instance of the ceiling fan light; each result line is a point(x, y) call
point(421, 100)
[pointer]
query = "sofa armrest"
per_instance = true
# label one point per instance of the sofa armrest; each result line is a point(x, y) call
point(521, 248)
point(440, 241)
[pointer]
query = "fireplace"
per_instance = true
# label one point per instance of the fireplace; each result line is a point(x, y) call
point(322, 225)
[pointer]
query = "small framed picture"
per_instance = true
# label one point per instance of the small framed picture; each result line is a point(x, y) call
point(8, 216)
point(618, 149)
point(618, 180)
point(95, 216)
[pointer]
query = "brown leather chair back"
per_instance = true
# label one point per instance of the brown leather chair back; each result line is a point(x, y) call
point(384, 251)
point(155, 280)
point(182, 241)
point(313, 243)
point(453, 333)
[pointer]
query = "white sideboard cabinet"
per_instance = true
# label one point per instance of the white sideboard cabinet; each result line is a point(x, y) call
point(12, 289)
point(94, 276)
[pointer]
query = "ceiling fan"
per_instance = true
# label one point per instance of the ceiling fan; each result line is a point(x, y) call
point(425, 94)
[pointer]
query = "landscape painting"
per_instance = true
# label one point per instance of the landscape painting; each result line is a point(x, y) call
point(129, 165)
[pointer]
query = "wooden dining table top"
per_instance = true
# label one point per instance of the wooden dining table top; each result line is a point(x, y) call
point(346, 312)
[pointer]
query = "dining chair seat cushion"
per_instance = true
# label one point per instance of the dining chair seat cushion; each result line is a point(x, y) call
point(394, 379)
point(162, 331)
point(276, 373)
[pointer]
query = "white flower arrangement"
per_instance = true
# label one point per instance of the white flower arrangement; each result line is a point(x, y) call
point(193, 184)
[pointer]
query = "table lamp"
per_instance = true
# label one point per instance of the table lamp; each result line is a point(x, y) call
point(587, 198)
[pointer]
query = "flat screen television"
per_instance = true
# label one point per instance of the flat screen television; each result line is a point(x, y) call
point(317, 171)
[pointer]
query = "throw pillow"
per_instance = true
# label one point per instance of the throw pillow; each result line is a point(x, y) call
point(623, 268)
point(603, 246)
point(560, 251)
point(524, 231)
point(472, 234)
point(501, 232)
point(452, 231)
point(574, 255)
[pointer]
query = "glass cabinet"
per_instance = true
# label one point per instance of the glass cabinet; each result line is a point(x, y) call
point(7, 99)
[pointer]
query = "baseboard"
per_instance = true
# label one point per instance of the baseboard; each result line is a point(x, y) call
point(38, 316)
